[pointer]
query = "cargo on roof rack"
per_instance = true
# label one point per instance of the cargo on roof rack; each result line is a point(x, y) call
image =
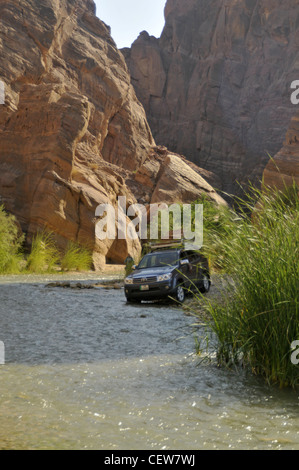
point(172, 244)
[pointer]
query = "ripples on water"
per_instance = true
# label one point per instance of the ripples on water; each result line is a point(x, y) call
point(84, 370)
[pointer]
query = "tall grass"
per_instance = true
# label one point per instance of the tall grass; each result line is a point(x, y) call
point(258, 319)
point(76, 258)
point(44, 256)
point(10, 244)
point(219, 223)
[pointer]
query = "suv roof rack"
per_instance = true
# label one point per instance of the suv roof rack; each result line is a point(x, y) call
point(185, 244)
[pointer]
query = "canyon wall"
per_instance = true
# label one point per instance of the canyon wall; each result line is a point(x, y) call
point(216, 85)
point(73, 134)
point(283, 170)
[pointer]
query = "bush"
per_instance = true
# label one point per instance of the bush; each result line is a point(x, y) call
point(44, 256)
point(257, 321)
point(76, 258)
point(10, 244)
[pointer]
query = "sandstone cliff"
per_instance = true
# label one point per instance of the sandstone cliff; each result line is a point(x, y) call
point(283, 169)
point(73, 135)
point(216, 85)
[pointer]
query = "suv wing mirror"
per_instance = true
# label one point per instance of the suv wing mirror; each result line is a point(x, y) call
point(184, 261)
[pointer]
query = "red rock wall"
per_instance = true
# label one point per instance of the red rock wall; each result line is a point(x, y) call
point(216, 85)
point(71, 120)
point(73, 135)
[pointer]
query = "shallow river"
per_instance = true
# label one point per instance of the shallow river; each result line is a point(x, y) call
point(84, 370)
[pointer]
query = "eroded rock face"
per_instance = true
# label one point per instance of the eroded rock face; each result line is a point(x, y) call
point(174, 180)
point(283, 170)
point(71, 121)
point(216, 85)
point(73, 135)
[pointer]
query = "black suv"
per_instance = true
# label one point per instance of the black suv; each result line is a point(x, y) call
point(168, 273)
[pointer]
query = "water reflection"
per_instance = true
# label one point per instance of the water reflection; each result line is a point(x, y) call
point(84, 370)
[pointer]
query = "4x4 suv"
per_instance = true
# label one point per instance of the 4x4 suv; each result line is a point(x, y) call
point(165, 273)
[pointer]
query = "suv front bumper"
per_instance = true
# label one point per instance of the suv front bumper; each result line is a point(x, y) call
point(156, 290)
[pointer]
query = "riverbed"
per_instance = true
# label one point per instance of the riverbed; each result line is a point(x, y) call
point(85, 370)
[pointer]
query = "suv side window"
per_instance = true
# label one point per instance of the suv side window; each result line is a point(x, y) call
point(184, 255)
point(193, 258)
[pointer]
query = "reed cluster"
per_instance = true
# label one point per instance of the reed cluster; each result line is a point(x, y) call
point(257, 318)
point(44, 256)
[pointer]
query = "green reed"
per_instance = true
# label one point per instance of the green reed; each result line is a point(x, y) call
point(76, 258)
point(258, 317)
point(11, 241)
point(44, 255)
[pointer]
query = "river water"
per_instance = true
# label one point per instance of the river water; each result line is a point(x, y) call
point(85, 370)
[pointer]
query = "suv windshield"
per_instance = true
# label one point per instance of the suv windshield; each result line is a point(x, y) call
point(159, 260)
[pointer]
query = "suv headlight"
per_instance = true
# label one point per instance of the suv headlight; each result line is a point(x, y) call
point(164, 277)
point(128, 280)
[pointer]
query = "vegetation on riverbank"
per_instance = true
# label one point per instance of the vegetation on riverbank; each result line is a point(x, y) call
point(44, 256)
point(76, 258)
point(11, 242)
point(257, 317)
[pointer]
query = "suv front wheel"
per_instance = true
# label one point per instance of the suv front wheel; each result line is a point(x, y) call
point(180, 292)
point(206, 284)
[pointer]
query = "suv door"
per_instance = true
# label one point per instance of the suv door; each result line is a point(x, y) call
point(193, 267)
point(199, 267)
point(186, 269)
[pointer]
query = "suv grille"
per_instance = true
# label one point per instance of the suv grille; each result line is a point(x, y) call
point(144, 280)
